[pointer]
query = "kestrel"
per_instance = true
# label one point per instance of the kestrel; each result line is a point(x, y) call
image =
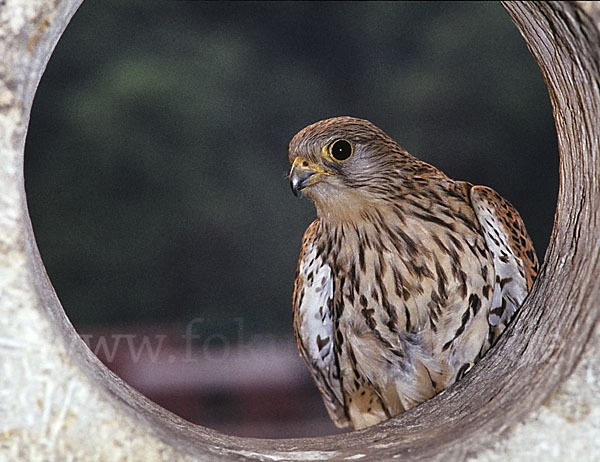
point(406, 277)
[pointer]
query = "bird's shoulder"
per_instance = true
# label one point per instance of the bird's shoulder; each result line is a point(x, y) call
point(503, 215)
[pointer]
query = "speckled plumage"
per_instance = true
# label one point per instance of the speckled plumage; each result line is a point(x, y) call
point(405, 279)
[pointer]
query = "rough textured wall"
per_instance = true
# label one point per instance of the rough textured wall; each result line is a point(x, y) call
point(536, 396)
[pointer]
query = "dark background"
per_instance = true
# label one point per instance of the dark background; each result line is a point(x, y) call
point(157, 150)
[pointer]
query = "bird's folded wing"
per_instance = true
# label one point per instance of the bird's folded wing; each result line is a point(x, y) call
point(314, 325)
point(515, 261)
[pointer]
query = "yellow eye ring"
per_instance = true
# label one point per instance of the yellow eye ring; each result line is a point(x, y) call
point(340, 150)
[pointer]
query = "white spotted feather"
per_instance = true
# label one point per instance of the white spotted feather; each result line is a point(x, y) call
point(314, 324)
point(510, 286)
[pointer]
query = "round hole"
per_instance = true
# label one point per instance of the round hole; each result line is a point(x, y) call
point(31, 150)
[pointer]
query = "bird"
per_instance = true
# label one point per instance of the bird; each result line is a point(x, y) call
point(406, 277)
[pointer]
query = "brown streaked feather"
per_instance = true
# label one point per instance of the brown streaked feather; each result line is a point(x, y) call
point(313, 324)
point(515, 261)
point(511, 222)
point(422, 273)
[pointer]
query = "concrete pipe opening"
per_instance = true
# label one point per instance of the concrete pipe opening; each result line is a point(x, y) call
point(537, 394)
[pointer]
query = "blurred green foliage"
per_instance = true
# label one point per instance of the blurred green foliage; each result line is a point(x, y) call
point(157, 151)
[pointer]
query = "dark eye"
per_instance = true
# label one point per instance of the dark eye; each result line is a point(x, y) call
point(340, 150)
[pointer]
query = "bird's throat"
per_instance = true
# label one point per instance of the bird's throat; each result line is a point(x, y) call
point(338, 207)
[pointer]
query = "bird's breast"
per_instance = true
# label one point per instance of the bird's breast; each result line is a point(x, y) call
point(407, 272)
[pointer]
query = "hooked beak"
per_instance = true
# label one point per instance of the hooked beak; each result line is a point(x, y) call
point(303, 174)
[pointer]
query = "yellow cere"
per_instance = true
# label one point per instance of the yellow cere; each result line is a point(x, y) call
point(303, 163)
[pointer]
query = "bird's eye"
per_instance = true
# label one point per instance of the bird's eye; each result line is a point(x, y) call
point(340, 149)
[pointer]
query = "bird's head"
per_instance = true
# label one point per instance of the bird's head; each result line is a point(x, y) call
point(346, 163)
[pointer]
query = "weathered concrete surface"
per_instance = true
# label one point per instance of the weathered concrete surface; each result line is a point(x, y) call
point(534, 397)
point(565, 428)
